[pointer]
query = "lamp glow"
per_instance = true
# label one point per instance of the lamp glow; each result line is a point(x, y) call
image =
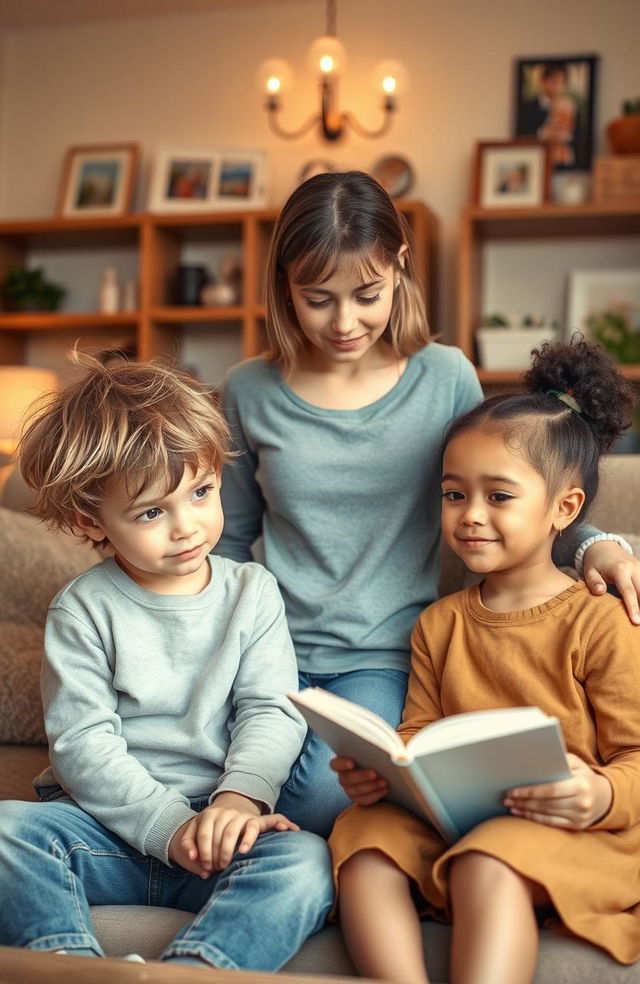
point(19, 387)
point(327, 59)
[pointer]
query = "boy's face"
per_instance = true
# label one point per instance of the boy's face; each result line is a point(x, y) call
point(162, 541)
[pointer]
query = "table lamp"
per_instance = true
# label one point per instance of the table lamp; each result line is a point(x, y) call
point(19, 387)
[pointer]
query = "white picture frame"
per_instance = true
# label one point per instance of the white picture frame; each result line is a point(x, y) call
point(200, 179)
point(595, 290)
point(511, 174)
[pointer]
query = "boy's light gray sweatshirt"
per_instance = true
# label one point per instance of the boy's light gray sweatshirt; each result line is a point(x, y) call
point(150, 699)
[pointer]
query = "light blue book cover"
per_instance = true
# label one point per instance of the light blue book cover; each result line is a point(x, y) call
point(456, 771)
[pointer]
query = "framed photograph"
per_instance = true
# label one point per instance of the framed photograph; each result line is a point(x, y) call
point(511, 174)
point(555, 102)
point(192, 180)
point(98, 180)
point(605, 305)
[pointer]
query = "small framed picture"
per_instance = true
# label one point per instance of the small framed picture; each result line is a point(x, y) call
point(555, 102)
point(192, 180)
point(606, 299)
point(98, 180)
point(511, 174)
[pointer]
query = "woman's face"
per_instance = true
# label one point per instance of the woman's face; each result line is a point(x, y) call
point(343, 318)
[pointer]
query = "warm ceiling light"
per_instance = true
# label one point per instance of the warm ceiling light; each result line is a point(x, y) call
point(327, 58)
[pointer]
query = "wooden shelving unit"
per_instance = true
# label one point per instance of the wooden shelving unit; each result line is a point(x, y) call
point(159, 242)
point(481, 226)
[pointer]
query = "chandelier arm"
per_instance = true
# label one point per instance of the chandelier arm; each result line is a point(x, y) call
point(364, 131)
point(272, 116)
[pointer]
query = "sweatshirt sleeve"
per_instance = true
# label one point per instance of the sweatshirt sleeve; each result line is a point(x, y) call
point(422, 705)
point(612, 684)
point(88, 753)
point(242, 500)
point(266, 730)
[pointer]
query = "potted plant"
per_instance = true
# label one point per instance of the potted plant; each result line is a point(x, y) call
point(28, 290)
point(506, 342)
point(617, 332)
point(624, 132)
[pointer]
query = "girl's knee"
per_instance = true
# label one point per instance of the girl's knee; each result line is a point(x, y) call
point(475, 871)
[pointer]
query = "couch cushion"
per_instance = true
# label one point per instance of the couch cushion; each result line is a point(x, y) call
point(144, 930)
point(34, 565)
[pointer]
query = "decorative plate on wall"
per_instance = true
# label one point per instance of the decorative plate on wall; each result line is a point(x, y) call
point(395, 174)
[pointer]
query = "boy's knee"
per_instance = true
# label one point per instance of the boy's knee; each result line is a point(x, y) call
point(15, 817)
point(309, 859)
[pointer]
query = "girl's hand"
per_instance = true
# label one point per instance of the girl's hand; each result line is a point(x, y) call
point(363, 786)
point(574, 803)
point(232, 823)
point(606, 562)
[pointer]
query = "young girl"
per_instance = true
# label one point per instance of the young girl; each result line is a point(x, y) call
point(517, 471)
point(340, 429)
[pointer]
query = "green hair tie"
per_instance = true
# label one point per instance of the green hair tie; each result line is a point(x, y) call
point(567, 398)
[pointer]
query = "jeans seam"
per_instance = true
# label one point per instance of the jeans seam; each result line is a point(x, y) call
point(204, 911)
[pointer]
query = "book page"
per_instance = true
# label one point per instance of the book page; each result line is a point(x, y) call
point(463, 729)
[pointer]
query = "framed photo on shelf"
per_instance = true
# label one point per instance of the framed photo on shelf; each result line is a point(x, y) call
point(98, 180)
point(554, 101)
point(605, 305)
point(194, 180)
point(511, 174)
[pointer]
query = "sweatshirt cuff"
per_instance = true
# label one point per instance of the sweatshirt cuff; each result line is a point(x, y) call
point(618, 816)
point(255, 787)
point(164, 827)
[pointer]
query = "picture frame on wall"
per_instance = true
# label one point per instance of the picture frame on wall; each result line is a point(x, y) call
point(190, 179)
point(98, 180)
point(511, 174)
point(606, 302)
point(554, 101)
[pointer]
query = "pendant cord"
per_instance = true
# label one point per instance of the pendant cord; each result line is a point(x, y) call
point(331, 19)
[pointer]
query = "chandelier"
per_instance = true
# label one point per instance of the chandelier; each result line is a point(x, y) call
point(327, 58)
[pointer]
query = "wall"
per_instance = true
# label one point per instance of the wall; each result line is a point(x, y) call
point(188, 81)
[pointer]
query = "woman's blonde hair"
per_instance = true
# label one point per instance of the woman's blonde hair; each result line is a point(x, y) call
point(141, 421)
point(327, 218)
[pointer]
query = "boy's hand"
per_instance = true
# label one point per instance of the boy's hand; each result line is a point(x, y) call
point(574, 803)
point(363, 786)
point(232, 823)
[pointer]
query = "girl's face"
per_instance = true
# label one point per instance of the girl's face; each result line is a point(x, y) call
point(343, 318)
point(496, 513)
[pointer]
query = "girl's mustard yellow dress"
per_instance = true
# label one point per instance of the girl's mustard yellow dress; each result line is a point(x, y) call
point(577, 657)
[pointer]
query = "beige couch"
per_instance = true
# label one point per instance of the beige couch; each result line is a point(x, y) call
point(34, 564)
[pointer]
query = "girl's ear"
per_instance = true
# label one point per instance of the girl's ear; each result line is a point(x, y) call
point(90, 527)
point(401, 254)
point(568, 505)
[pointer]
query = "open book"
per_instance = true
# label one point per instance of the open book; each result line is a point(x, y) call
point(455, 771)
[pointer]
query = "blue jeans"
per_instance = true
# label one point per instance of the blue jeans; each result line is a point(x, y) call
point(56, 861)
point(312, 796)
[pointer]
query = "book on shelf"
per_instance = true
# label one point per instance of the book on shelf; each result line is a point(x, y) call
point(455, 771)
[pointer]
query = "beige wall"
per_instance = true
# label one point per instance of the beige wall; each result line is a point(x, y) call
point(188, 81)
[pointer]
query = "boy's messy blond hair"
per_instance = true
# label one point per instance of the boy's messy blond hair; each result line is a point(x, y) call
point(141, 421)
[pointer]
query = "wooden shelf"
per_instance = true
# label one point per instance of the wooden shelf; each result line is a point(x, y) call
point(191, 315)
point(552, 222)
point(556, 221)
point(61, 321)
point(509, 377)
point(159, 241)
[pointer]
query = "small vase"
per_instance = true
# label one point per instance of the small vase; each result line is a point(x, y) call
point(624, 134)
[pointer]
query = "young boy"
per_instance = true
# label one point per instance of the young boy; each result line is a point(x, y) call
point(164, 685)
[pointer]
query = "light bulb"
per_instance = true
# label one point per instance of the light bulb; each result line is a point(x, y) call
point(327, 56)
point(274, 76)
point(390, 78)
